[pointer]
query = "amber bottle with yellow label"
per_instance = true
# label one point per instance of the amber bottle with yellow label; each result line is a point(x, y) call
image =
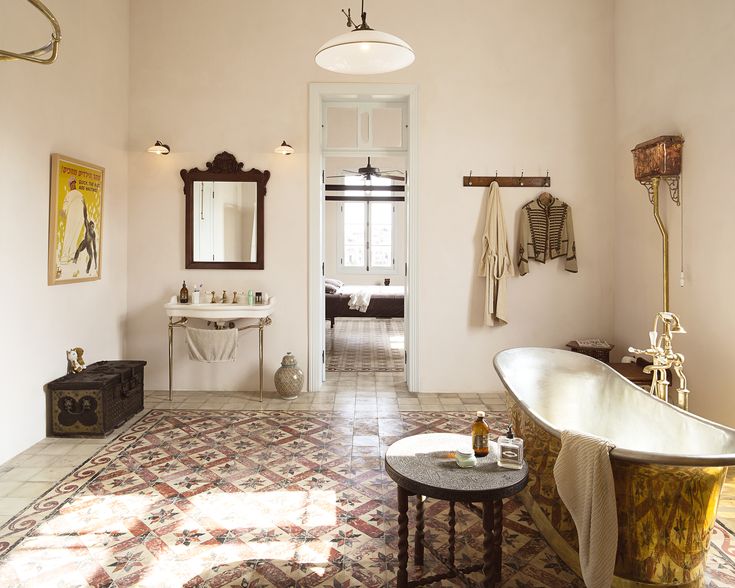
point(480, 435)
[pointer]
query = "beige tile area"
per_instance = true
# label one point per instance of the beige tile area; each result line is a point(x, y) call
point(6, 488)
point(9, 506)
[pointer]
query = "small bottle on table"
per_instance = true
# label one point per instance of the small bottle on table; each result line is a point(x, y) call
point(480, 435)
point(510, 450)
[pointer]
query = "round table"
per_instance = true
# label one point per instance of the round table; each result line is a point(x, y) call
point(424, 466)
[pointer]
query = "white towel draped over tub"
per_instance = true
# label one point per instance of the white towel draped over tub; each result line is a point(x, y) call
point(360, 300)
point(495, 261)
point(585, 483)
point(212, 345)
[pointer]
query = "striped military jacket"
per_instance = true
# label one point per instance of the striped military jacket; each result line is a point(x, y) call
point(546, 232)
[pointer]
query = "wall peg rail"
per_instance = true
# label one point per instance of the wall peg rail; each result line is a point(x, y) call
point(521, 181)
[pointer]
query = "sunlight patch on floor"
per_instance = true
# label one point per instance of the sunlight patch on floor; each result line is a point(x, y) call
point(396, 342)
point(95, 523)
point(97, 514)
point(268, 510)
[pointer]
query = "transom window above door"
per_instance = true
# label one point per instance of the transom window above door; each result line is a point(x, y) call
point(365, 125)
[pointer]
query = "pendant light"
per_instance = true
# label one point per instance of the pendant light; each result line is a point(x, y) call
point(364, 51)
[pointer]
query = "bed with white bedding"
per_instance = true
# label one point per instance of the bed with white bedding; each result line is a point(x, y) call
point(382, 302)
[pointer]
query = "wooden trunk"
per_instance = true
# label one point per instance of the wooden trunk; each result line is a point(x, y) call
point(658, 157)
point(93, 402)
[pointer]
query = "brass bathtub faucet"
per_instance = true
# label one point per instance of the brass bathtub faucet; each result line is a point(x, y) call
point(664, 358)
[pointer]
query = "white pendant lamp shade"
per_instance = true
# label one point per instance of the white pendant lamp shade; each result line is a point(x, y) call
point(364, 52)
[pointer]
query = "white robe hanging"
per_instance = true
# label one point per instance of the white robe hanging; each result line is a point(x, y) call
point(495, 261)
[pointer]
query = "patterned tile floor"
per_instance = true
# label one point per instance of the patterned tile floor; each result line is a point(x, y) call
point(358, 554)
point(37, 469)
point(365, 345)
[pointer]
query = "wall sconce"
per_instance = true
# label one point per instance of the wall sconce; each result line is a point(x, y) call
point(284, 149)
point(159, 149)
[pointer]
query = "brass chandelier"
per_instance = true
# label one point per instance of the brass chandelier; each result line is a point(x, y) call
point(46, 54)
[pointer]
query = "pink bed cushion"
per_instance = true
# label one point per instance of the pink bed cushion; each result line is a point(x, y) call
point(330, 288)
point(334, 282)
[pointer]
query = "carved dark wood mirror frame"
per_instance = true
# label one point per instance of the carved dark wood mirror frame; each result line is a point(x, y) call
point(224, 168)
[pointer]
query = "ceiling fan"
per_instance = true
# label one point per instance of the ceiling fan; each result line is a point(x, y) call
point(368, 172)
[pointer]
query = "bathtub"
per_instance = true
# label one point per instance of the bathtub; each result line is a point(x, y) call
point(668, 465)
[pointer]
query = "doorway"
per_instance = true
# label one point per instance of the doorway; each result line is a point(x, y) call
point(362, 230)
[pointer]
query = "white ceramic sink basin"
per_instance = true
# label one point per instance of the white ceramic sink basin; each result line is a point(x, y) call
point(219, 311)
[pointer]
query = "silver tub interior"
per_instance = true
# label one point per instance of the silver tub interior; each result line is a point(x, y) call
point(562, 390)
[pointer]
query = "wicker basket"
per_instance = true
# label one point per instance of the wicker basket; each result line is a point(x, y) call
point(601, 353)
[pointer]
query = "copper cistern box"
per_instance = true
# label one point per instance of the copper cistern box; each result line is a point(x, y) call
point(658, 157)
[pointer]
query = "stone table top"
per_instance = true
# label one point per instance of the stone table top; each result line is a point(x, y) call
point(425, 465)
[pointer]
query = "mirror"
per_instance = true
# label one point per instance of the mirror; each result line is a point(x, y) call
point(225, 221)
point(224, 215)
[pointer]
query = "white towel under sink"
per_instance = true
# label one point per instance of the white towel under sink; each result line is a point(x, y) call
point(212, 345)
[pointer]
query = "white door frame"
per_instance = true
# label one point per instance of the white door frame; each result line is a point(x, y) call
point(318, 93)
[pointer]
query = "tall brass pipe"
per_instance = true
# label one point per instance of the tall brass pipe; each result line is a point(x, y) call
point(665, 238)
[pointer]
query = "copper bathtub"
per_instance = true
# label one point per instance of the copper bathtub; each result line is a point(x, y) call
point(668, 465)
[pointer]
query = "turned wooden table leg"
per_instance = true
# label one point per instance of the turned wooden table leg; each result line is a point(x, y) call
point(402, 538)
point(452, 532)
point(420, 467)
point(418, 542)
point(498, 536)
point(492, 524)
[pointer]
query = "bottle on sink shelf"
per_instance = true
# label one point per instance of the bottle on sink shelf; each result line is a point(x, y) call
point(184, 294)
point(510, 450)
point(251, 298)
point(480, 435)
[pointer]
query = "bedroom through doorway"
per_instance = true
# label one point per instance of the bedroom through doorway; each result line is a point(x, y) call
point(364, 154)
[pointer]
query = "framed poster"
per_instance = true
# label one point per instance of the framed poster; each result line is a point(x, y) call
point(75, 221)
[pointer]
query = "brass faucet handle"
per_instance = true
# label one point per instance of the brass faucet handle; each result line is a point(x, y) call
point(657, 366)
point(652, 352)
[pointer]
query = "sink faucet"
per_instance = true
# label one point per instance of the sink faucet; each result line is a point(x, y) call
point(664, 358)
